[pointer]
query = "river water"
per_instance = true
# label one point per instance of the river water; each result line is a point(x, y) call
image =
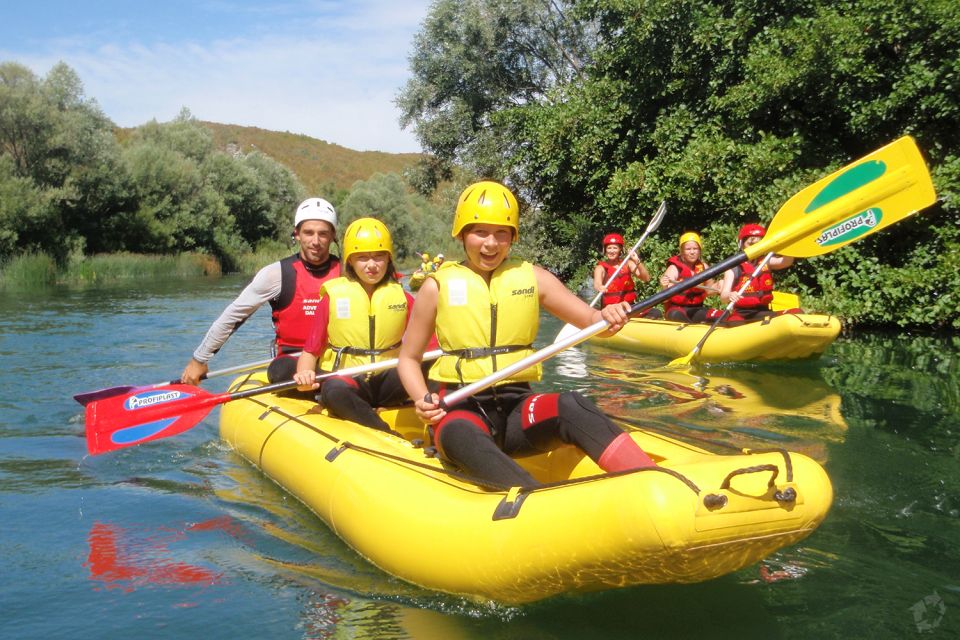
point(182, 538)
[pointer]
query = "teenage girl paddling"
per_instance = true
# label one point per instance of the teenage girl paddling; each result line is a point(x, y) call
point(615, 283)
point(360, 319)
point(687, 306)
point(485, 312)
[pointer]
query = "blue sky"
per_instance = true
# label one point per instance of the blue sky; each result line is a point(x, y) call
point(327, 69)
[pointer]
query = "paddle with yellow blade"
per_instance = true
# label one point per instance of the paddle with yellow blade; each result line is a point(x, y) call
point(685, 360)
point(878, 190)
point(569, 329)
point(783, 301)
point(166, 410)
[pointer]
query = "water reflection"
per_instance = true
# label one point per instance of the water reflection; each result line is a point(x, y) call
point(125, 558)
point(742, 407)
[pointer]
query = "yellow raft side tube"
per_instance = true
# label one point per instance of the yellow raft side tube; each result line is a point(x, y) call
point(699, 516)
point(786, 337)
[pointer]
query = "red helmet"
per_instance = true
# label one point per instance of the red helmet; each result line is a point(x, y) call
point(751, 231)
point(613, 238)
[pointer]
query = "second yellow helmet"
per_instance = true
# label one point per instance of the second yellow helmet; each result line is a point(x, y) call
point(688, 236)
point(366, 235)
point(487, 202)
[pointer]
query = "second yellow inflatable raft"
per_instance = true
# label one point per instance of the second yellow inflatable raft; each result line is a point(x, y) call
point(697, 516)
point(785, 337)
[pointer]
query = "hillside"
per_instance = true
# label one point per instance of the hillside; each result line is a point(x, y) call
point(321, 166)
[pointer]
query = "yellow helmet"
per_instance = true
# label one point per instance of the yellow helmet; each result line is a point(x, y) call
point(487, 202)
point(366, 235)
point(688, 236)
point(425, 257)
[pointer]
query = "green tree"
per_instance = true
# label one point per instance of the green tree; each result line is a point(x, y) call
point(472, 60)
point(415, 223)
point(726, 109)
point(65, 146)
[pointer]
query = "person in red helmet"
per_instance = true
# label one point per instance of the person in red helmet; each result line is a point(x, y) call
point(618, 286)
point(754, 303)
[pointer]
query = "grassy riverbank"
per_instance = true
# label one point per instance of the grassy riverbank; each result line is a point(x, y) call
point(35, 270)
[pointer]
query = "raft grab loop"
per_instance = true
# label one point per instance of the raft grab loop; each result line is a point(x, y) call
point(509, 507)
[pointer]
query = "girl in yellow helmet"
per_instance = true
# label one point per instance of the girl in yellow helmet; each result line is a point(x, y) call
point(485, 312)
point(360, 318)
point(687, 306)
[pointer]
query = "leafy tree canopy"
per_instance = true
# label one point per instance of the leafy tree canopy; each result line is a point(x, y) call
point(724, 108)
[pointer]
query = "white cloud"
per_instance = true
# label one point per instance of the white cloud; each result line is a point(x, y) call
point(331, 76)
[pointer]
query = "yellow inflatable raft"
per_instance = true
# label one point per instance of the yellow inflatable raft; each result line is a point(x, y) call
point(697, 516)
point(785, 337)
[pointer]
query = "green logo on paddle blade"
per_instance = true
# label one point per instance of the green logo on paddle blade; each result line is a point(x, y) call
point(854, 227)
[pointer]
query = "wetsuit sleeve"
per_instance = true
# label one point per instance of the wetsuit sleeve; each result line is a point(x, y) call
point(264, 287)
point(317, 340)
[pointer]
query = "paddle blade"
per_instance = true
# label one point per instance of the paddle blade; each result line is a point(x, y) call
point(874, 192)
point(682, 361)
point(87, 397)
point(783, 301)
point(144, 415)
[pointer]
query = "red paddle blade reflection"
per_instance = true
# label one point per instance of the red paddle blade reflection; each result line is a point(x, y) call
point(127, 559)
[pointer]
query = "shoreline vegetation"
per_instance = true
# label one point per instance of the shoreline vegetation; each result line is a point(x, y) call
point(37, 270)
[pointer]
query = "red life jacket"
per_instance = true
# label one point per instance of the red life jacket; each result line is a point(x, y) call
point(295, 306)
point(619, 289)
point(759, 293)
point(692, 297)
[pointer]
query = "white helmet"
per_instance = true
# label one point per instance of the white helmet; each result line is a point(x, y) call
point(315, 209)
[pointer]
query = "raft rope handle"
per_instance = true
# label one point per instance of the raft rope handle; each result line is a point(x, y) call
point(787, 495)
point(787, 461)
point(343, 445)
point(754, 469)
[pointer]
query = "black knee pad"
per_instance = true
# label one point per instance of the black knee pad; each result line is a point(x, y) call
point(677, 315)
point(282, 369)
point(331, 388)
point(584, 424)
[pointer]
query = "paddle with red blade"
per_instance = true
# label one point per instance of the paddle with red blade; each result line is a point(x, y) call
point(142, 415)
point(878, 190)
point(87, 397)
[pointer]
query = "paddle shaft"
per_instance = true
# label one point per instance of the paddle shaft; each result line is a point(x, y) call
point(619, 268)
point(586, 333)
point(653, 226)
point(729, 307)
point(87, 397)
point(146, 415)
point(289, 384)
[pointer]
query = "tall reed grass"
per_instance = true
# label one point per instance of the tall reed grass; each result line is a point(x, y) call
point(266, 253)
point(29, 270)
point(33, 270)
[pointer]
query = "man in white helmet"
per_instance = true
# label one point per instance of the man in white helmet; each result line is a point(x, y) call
point(291, 286)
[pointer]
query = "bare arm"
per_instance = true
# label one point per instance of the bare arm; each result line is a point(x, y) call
point(669, 277)
point(780, 262)
point(558, 300)
point(264, 286)
point(306, 375)
point(638, 269)
point(420, 329)
point(726, 290)
point(598, 273)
